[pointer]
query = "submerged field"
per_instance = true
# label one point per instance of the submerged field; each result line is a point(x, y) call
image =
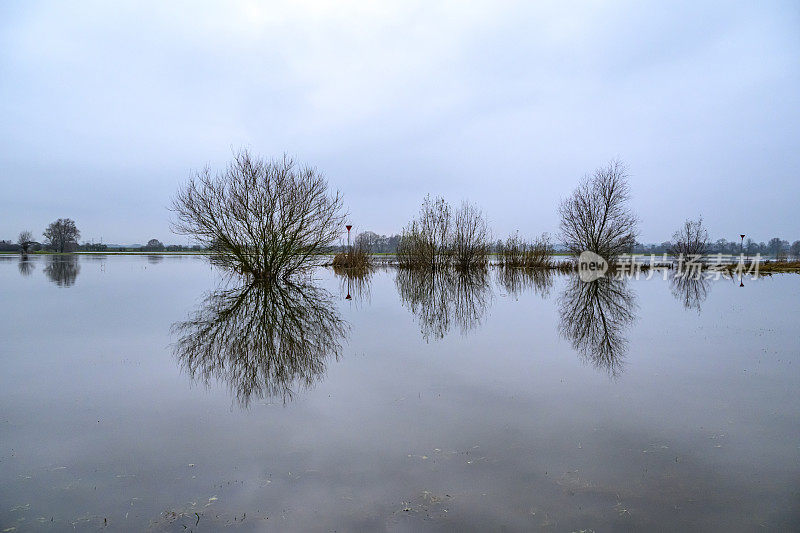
point(143, 392)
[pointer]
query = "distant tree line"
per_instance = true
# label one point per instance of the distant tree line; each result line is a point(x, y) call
point(10, 246)
point(387, 244)
point(775, 247)
point(62, 236)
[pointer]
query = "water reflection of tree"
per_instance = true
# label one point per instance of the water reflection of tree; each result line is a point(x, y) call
point(354, 283)
point(262, 340)
point(26, 265)
point(690, 290)
point(440, 298)
point(518, 280)
point(62, 269)
point(154, 258)
point(594, 317)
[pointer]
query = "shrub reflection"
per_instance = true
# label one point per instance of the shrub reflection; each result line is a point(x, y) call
point(441, 298)
point(518, 280)
point(354, 283)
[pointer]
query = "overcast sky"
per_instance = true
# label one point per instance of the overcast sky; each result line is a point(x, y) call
point(106, 107)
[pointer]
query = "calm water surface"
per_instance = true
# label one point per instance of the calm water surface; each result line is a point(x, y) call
point(147, 392)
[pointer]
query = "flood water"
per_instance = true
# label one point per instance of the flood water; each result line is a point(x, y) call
point(148, 392)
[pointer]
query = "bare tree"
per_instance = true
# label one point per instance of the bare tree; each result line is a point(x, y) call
point(61, 234)
point(24, 240)
point(691, 239)
point(24, 236)
point(268, 219)
point(367, 240)
point(596, 217)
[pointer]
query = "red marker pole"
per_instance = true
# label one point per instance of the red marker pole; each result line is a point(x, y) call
point(348, 236)
point(741, 278)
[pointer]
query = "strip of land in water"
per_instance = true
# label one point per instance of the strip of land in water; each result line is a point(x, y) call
point(765, 267)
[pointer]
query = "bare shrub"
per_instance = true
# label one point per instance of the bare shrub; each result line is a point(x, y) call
point(517, 253)
point(357, 257)
point(269, 219)
point(440, 239)
point(470, 246)
point(691, 239)
point(596, 217)
point(425, 242)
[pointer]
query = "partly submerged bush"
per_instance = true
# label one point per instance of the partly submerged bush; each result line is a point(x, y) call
point(439, 239)
point(518, 253)
point(268, 219)
point(356, 259)
point(470, 240)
